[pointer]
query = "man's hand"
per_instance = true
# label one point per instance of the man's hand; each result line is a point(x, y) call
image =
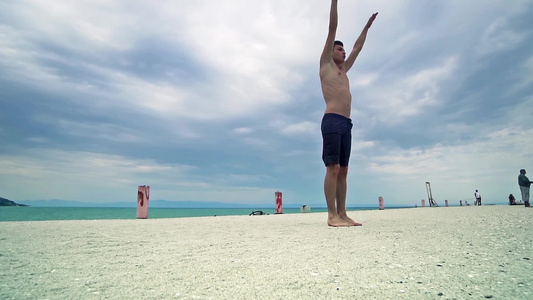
point(371, 20)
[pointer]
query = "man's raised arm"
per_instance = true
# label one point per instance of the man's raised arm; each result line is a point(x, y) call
point(359, 43)
point(330, 40)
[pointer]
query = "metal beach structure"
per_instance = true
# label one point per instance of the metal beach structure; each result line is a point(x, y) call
point(430, 196)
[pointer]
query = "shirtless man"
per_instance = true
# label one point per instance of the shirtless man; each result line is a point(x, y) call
point(336, 123)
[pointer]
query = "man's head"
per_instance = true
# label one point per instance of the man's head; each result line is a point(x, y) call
point(339, 55)
point(523, 171)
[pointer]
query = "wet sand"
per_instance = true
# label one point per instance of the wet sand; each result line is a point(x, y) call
point(418, 253)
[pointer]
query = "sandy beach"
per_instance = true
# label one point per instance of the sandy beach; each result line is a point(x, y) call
point(418, 253)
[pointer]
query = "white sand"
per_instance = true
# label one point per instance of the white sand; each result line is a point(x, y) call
point(419, 253)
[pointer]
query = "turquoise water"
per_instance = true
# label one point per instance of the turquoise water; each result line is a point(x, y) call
point(11, 213)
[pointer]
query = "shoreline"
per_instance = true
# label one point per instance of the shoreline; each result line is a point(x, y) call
point(425, 253)
point(13, 214)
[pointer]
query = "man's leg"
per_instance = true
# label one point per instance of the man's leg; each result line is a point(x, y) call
point(330, 190)
point(341, 196)
point(525, 195)
point(340, 193)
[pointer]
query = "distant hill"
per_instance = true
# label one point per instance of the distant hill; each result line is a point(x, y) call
point(153, 204)
point(6, 202)
point(180, 204)
point(177, 204)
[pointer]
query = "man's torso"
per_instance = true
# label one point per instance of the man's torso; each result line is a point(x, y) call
point(523, 180)
point(336, 89)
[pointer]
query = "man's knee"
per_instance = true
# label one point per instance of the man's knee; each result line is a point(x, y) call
point(343, 171)
point(333, 169)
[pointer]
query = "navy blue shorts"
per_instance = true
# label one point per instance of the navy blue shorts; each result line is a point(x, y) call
point(337, 139)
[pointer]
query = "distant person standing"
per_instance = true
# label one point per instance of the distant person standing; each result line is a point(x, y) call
point(478, 198)
point(524, 184)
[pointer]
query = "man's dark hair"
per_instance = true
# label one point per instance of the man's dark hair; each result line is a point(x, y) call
point(338, 43)
point(522, 171)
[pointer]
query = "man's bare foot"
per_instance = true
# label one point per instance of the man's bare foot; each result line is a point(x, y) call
point(337, 222)
point(349, 220)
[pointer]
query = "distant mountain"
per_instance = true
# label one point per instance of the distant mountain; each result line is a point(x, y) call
point(180, 204)
point(153, 204)
point(177, 204)
point(6, 202)
point(67, 203)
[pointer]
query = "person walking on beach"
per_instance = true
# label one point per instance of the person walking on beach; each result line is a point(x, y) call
point(524, 184)
point(336, 124)
point(478, 198)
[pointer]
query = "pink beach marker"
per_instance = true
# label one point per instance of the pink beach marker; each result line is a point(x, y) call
point(143, 197)
point(279, 202)
point(381, 203)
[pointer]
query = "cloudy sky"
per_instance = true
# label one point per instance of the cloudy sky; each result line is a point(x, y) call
point(221, 100)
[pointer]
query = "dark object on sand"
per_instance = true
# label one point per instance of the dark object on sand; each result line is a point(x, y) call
point(512, 200)
point(257, 213)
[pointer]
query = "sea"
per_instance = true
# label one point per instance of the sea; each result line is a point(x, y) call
point(29, 213)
